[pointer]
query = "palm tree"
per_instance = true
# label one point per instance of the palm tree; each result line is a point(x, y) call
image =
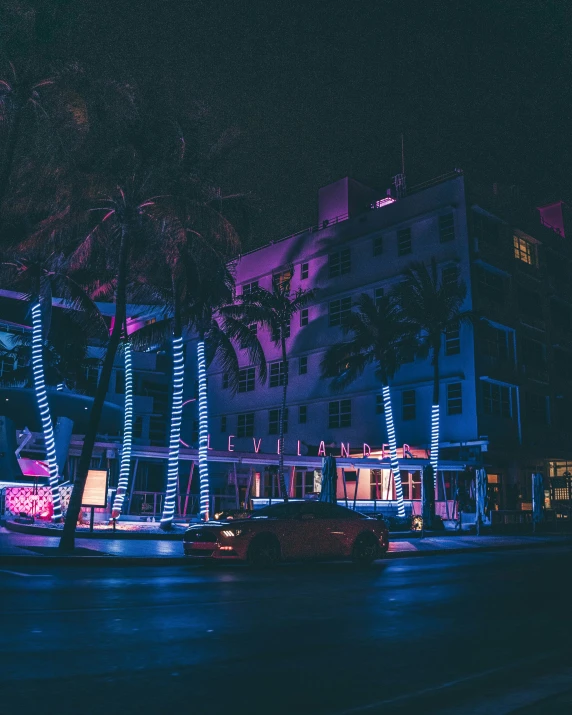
point(432, 306)
point(41, 277)
point(379, 335)
point(127, 442)
point(275, 310)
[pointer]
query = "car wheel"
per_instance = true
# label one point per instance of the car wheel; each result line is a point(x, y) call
point(365, 550)
point(264, 552)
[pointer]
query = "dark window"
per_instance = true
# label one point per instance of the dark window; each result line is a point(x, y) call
point(223, 423)
point(138, 427)
point(494, 343)
point(530, 304)
point(491, 286)
point(340, 263)
point(303, 365)
point(404, 242)
point(453, 340)
point(533, 355)
point(536, 410)
point(485, 229)
point(302, 414)
point(408, 404)
point(253, 328)
point(340, 414)
point(276, 335)
point(450, 275)
point(339, 310)
point(446, 228)
point(249, 288)
point(120, 382)
point(378, 296)
point(274, 421)
point(304, 271)
point(378, 245)
point(245, 425)
point(562, 362)
point(560, 314)
point(304, 317)
point(278, 372)
point(246, 378)
point(225, 380)
point(496, 400)
point(282, 279)
point(454, 398)
point(379, 405)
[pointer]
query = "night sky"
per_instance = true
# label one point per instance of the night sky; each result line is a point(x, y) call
point(321, 89)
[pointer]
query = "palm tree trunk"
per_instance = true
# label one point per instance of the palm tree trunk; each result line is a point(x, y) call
point(43, 406)
point(389, 423)
point(203, 430)
point(125, 465)
point(435, 413)
point(174, 439)
point(281, 479)
point(68, 537)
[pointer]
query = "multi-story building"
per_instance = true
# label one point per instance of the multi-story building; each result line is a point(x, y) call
point(505, 375)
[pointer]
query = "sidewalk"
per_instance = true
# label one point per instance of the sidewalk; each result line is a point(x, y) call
point(15, 547)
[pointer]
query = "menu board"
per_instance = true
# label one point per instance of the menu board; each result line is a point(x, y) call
point(95, 490)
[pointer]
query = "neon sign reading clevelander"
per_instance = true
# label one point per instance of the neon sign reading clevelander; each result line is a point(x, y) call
point(406, 451)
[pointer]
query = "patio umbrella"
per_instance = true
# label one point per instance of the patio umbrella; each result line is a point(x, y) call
point(329, 481)
point(537, 499)
point(481, 497)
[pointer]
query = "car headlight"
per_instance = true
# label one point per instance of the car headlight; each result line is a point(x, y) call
point(232, 532)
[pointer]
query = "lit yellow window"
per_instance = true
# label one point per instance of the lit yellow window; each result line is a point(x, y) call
point(524, 250)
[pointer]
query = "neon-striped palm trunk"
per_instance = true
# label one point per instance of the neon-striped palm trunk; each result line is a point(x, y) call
point(203, 432)
point(125, 464)
point(44, 407)
point(175, 435)
point(393, 450)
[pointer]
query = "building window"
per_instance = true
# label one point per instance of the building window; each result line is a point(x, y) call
point(274, 421)
point(494, 343)
point(524, 250)
point(454, 398)
point(304, 268)
point(253, 328)
point(530, 305)
point(340, 263)
point(278, 371)
point(450, 275)
point(302, 414)
point(453, 339)
point(404, 242)
point(536, 411)
point(303, 317)
point(340, 414)
point(339, 310)
point(379, 405)
point(446, 228)
point(491, 286)
point(303, 365)
point(533, 354)
point(223, 423)
point(224, 381)
point(245, 425)
point(246, 378)
point(560, 314)
point(138, 427)
point(276, 335)
point(249, 288)
point(378, 245)
point(282, 279)
point(496, 400)
point(378, 296)
point(408, 404)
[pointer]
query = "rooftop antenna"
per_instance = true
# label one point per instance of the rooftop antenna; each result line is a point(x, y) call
point(399, 179)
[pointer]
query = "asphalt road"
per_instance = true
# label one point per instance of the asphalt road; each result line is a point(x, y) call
point(451, 634)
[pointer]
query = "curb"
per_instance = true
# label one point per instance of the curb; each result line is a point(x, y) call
point(112, 560)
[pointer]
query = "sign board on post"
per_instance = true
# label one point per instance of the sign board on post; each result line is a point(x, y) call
point(95, 490)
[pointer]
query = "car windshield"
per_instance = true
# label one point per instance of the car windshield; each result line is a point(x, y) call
point(278, 511)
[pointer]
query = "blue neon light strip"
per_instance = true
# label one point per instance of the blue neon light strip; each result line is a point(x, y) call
point(42, 399)
point(174, 443)
point(203, 431)
point(434, 459)
point(393, 450)
point(125, 464)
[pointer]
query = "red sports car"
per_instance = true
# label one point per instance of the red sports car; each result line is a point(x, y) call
point(296, 530)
